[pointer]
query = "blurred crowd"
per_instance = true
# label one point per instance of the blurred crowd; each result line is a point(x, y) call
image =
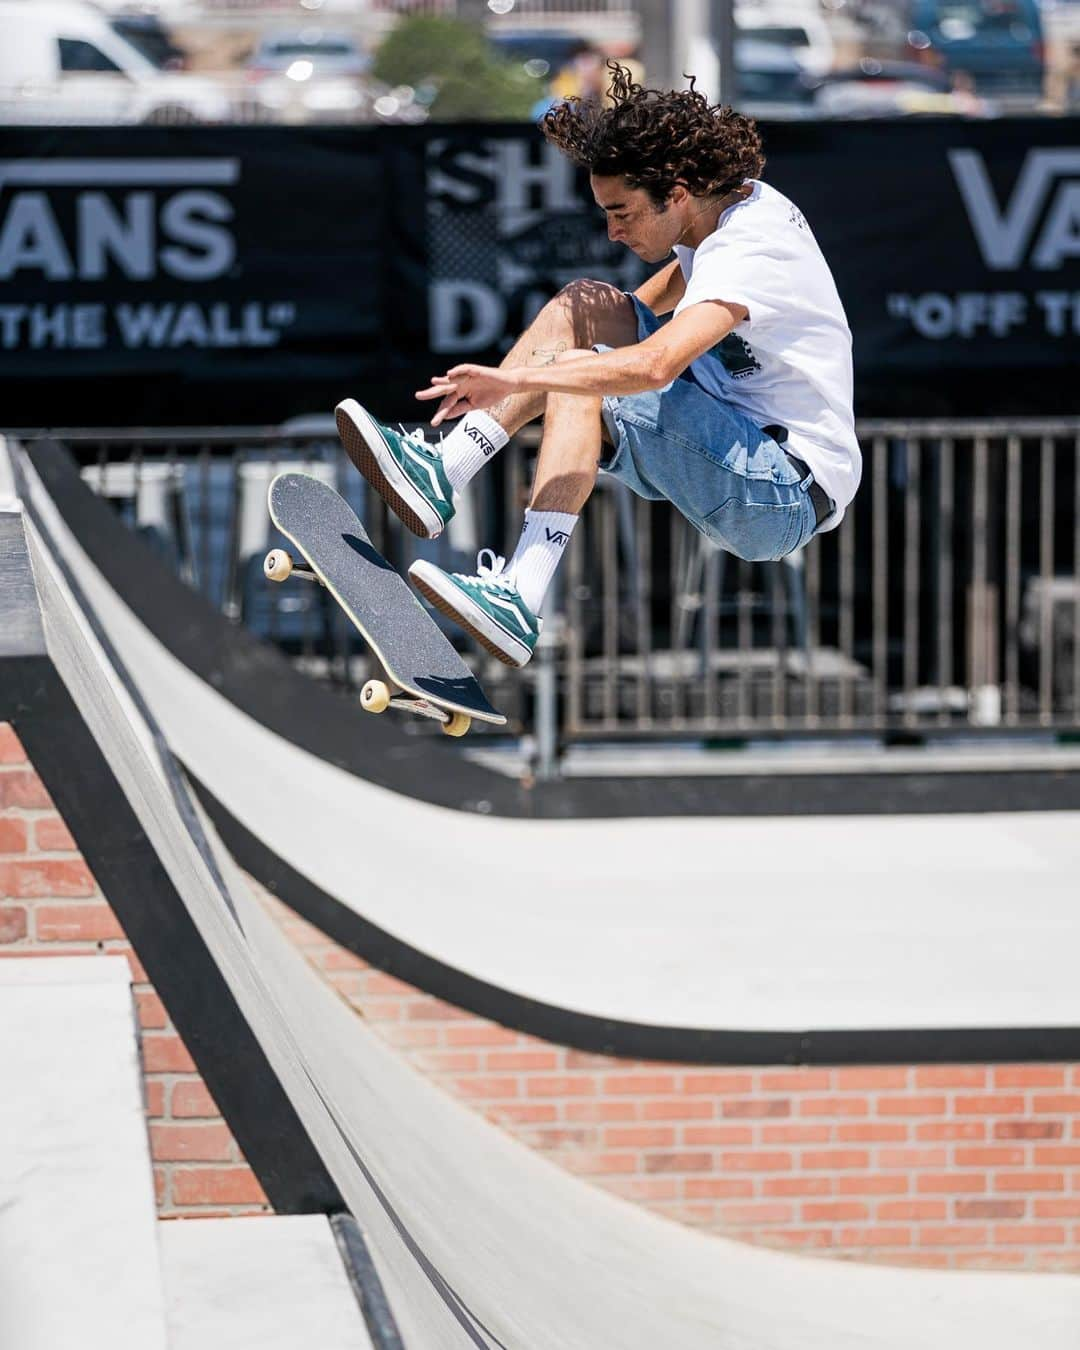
point(173, 61)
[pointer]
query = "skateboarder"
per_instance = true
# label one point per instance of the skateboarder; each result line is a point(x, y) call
point(738, 409)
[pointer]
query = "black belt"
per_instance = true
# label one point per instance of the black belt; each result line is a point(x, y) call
point(824, 505)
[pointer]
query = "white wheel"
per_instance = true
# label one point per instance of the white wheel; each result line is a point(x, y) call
point(375, 696)
point(458, 724)
point(277, 565)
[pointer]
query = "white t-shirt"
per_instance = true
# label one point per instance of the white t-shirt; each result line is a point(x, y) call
point(790, 361)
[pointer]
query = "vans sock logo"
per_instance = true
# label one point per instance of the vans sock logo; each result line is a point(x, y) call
point(559, 537)
point(486, 445)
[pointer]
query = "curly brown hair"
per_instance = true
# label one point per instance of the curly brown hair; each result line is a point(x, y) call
point(655, 139)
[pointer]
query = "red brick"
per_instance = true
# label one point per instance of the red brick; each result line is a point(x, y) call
point(912, 1211)
point(525, 1061)
point(481, 1033)
point(874, 1237)
point(191, 1099)
point(23, 789)
point(448, 1061)
point(912, 1158)
point(796, 1186)
point(677, 1162)
point(13, 836)
point(950, 1076)
point(1029, 1233)
point(925, 1105)
point(51, 835)
point(763, 1161)
point(216, 1186)
point(408, 1037)
point(599, 1110)
point(933, 1130)
point(731, 1135)
point(874, 1183)
point(1028, 1129)
point(795, 1237)
point(562, 1137)
point(986, 1260)
point(161, 1186)
point(521, 1113)
point(166, 1054)
point(434, 1010)
point(191, 1143)
point(43, 878)
point(637, 1084)
point(951, 1235)
point(796, 1080)
point(796, 1134)
point(12, 923)
point(834, 1106)
point(756, 1109)
point(597, 1164)
point(835, 1158)
point(1029, 1075)
point(155, 1097)
point(1029, 1181)
point(871, 1132)
point(582, 1059)
point(756, 1214)
point(547, 1085)
point(1060, 1156)
point(719, 1084)
point(990, 1104)
point(1052, 1209)
point(644, 1190)
point(678, 1109)
point(152, 1014)
point(77, 923)
point(1063, 1102)
point(490, 1086)
point(959, 1183)
point(989, 1157)
point(716, 1188)
point(11, 751)
point(870, 1080)
point(638, 1136)
point(990, 1209)
point(835, 1211)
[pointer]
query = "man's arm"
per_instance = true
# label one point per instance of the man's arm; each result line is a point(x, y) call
point(664, 289)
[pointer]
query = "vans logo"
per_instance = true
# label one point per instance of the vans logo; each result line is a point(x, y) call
point(559, 537)
point(486, 445)
point(1010, 233)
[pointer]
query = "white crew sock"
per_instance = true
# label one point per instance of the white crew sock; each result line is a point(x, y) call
point(544, 537)
point(475, 439)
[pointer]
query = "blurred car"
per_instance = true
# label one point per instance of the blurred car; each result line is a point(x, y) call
point(62, 62)
point(148, 34)
point(320, 54)
point(799, 30)
point(770, 81)
point(874, 88)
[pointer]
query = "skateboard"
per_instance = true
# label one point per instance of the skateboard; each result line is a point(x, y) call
point(424, 674)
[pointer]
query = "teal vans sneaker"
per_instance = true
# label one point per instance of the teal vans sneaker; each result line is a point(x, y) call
point(401, 466)
point(486, 605)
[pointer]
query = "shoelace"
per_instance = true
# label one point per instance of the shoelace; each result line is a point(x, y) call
point(492, 572)
point(417, 439)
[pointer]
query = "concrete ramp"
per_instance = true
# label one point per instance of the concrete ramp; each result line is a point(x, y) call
point(258, 1284)
point(478, 1242)
point(78, 1250)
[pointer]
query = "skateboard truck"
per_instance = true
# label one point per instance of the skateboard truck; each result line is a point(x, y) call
point(376, 695)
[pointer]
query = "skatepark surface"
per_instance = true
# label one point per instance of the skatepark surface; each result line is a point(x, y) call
point(477, 1241)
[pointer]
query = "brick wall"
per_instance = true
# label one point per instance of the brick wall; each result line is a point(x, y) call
point(955, 1165)
point(50, 905)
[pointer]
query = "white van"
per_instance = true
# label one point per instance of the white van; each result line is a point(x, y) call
point(62, 63)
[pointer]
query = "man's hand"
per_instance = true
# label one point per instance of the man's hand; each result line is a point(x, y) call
point(466, 388)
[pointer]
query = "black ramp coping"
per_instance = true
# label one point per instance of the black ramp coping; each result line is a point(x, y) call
point(385, 608)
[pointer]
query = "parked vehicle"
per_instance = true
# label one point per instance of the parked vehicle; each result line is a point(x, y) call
point(799, 30)
point(62, 62)
point(324, 54)
point(875, 88)
point(770, 81)
point(999, 43)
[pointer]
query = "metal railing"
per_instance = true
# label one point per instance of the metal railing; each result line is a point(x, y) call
point(948, 600)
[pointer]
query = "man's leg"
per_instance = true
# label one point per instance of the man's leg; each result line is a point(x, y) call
point(418, 480)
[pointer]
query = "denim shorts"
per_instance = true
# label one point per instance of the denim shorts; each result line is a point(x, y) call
point(730, 479)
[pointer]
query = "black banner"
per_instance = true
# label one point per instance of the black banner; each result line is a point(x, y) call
point(244, 275)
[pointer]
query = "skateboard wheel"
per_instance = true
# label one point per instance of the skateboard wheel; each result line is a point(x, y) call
point(458, 724)
point(277, 564)
point(375, 696)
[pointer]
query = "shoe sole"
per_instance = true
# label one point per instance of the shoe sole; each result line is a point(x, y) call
point(362, 441)
point(465, 613)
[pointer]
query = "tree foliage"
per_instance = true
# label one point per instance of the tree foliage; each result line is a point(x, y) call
point(471, 80)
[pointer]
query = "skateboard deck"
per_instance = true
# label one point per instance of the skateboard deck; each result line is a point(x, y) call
point(416, 656)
